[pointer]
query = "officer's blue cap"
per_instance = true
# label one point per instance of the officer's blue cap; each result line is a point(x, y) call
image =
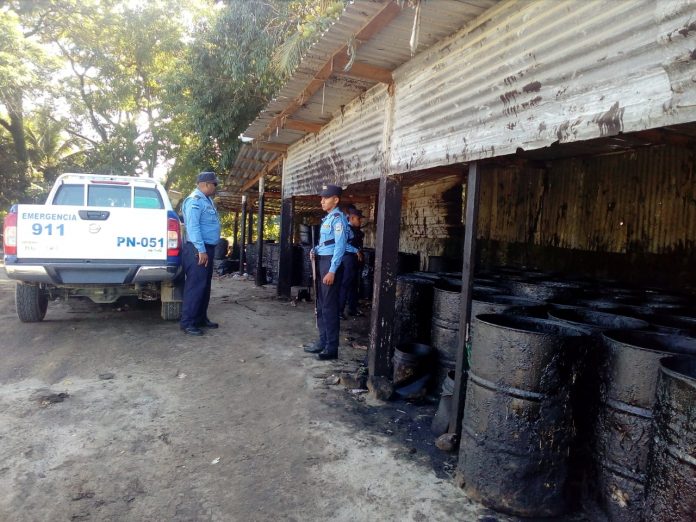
point(208, 177)
point(355, 212)
point(330, 190)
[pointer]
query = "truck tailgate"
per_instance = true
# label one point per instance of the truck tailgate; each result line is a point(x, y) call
point(100, 233)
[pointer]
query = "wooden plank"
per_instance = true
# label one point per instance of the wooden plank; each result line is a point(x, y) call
point(242, 231)
point(384, 294)
point(273, 147)
point(462, 365)
point(365, 71)
point(303, 126)
point(268, 168)
point(285, 263)
point(378, 22)
point(260, 279)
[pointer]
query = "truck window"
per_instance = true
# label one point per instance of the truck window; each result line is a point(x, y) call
point(70, 195)
point(147, 198)
point(109, 196)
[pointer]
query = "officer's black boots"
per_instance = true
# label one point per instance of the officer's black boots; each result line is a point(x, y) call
point(192, 330)
point(207, 323)
point(315, 347)
point(327, 356)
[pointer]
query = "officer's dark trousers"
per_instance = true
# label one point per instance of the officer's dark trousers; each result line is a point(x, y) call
point(349, 288)
point(327, 305)
point(197, 286)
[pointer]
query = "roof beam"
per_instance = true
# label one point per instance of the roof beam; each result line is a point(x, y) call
point(378, 22)
point(303, 126)
point(273, 147)
point(366, 71)
point(268, 168)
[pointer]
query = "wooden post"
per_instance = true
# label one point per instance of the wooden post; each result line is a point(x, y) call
point(462, 365)
point(250, 239)
point(235, 232)
point(286, 232)
point(260, 276)
point(242, 243)
point(384, 289)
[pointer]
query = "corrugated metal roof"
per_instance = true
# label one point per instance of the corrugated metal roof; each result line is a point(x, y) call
point(387, 49)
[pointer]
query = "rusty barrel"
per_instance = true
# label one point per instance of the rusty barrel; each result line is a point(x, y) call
point(413, 308)
point(497, 304)
point(517, 428)
point(671, 479)
point(598, 321)
point(544, 290)
point(629, 379)
point(445, 326)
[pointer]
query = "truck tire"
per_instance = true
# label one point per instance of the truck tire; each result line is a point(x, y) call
point(31, 302)
point(171, 310)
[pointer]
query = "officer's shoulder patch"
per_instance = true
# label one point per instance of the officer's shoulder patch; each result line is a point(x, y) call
point(336, 214)
point(338, 227)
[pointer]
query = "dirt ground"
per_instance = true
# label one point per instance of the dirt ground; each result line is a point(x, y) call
point(109, 413)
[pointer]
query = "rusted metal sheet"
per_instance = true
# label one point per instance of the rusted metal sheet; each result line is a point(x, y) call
point(642, 201)
point(348, 150)
point(528, 74)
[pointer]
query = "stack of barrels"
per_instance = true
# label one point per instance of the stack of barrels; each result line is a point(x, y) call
point(571, 394)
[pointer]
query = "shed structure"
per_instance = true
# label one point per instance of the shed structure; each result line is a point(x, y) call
point(544, 133)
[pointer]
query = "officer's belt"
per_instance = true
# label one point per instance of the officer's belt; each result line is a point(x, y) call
point(327, 243)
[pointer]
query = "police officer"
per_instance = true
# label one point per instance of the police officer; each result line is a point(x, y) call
point(203, 232)
point(351, 263)
point(328, 255)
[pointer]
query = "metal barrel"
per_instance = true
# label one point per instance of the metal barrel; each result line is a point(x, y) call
point(497, 304)
point(627, 390)
point(445, 327)
point(544, 290)
point(598, 321)
point(413, 308)
point(671, 479)
point(517, 428)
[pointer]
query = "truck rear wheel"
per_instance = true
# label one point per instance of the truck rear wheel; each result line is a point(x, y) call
point(171, 310)
point(31, 302)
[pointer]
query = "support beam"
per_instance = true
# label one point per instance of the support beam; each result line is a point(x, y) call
point(250, 238)
point(235, 232)
point(473, 186)
point(273, 147)
point(335, 62)
point(242, 231)
point(268, 168)
point(260, 275)
point(303, 126)
point(285, 265)
point(365, 71)
point(384, 289)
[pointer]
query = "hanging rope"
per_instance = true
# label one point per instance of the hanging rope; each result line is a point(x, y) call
point(351, 51)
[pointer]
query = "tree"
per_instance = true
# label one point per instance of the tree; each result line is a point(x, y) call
point(22, 64)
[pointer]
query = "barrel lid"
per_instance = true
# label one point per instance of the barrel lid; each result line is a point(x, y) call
point(533, 325)
point(651, 341)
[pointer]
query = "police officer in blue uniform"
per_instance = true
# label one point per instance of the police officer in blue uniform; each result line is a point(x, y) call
point(351, 264)
point(328, 255)
point(203, 232)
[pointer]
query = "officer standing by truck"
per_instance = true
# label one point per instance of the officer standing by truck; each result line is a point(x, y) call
point(328, 255)
point(203, 233)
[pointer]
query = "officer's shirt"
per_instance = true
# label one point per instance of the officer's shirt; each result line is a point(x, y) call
point(333, 230)
point(350, 240)
point(201, 220)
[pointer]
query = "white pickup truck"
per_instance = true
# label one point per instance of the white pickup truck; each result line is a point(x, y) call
point(101, 237)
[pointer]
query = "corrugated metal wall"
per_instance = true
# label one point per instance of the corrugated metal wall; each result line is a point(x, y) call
point(348, 150)
point(431, 219)
point(639, 202)
point(534, 72)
